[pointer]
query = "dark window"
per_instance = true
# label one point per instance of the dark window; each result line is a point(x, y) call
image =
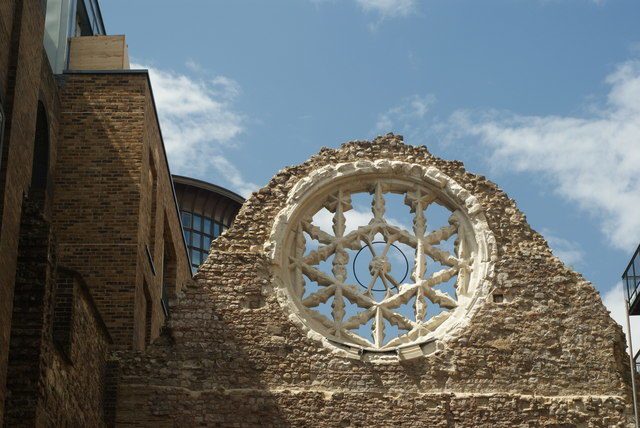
point(153, 188)
point(63, 311)
point(40, 163)
point(148, 314)
point(2, 120)
point(169, 270)
point(88, 19)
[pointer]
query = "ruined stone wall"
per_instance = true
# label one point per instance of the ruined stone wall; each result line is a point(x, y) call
point(540, 350)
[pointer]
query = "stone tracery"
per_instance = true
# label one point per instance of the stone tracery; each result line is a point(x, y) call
point(420, 292)
point(390, 313)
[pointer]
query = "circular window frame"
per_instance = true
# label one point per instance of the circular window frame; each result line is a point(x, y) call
point(319, 184)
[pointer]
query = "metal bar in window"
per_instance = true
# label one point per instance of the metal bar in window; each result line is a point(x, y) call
point(1, 128)
point(153, 267)
point(165, 308)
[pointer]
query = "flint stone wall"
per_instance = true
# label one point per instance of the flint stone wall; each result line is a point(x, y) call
point(542, 350)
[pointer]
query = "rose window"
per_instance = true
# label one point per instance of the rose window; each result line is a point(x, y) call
point(381, 264)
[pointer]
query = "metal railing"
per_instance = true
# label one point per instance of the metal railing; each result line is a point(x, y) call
point(631, 282)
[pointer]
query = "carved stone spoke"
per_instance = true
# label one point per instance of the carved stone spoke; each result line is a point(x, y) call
point(378, 204)
point(316, 233)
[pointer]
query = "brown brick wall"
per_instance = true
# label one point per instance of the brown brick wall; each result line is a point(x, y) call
point(167, 224)
point(97, 199)
point(32, 306)
point(104, 196)
point(6, 27)
point(25, 79)
point(107, 129)
point(59, 343)
point(74, 392)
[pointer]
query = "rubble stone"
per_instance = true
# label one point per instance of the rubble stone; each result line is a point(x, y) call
point(540, 350)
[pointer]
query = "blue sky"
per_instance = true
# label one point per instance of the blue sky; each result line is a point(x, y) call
point(541, 96)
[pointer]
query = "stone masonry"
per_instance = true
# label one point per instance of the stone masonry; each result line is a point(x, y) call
point(538, 349)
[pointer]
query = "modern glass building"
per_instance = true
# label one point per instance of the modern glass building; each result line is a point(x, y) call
point(206, 211)
point(66, 19)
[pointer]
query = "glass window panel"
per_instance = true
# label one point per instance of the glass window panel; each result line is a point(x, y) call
point(187, 236)
point(206, 243)
point(216, 230)
point(186, 219)
point(203, 257)
point(197, 222)
point(195, 257)
point(196, 240)
point(207, 225)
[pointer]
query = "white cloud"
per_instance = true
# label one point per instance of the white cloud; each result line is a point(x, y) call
point(382, 8)
point(404, 116)
point(198, 123)
point(398, 8)
point(569, 252)
point(614, 300)
point(388, 8)
point(592, 160)
point(354, 218)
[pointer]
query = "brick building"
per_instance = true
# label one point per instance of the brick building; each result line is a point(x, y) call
point(91, 245)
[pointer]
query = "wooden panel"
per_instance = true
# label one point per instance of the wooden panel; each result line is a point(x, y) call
point(98, 53)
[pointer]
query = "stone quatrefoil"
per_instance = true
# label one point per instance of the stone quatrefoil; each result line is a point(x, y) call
point(418, 292)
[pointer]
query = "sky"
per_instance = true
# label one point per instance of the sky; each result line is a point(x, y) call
point(541, 96)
